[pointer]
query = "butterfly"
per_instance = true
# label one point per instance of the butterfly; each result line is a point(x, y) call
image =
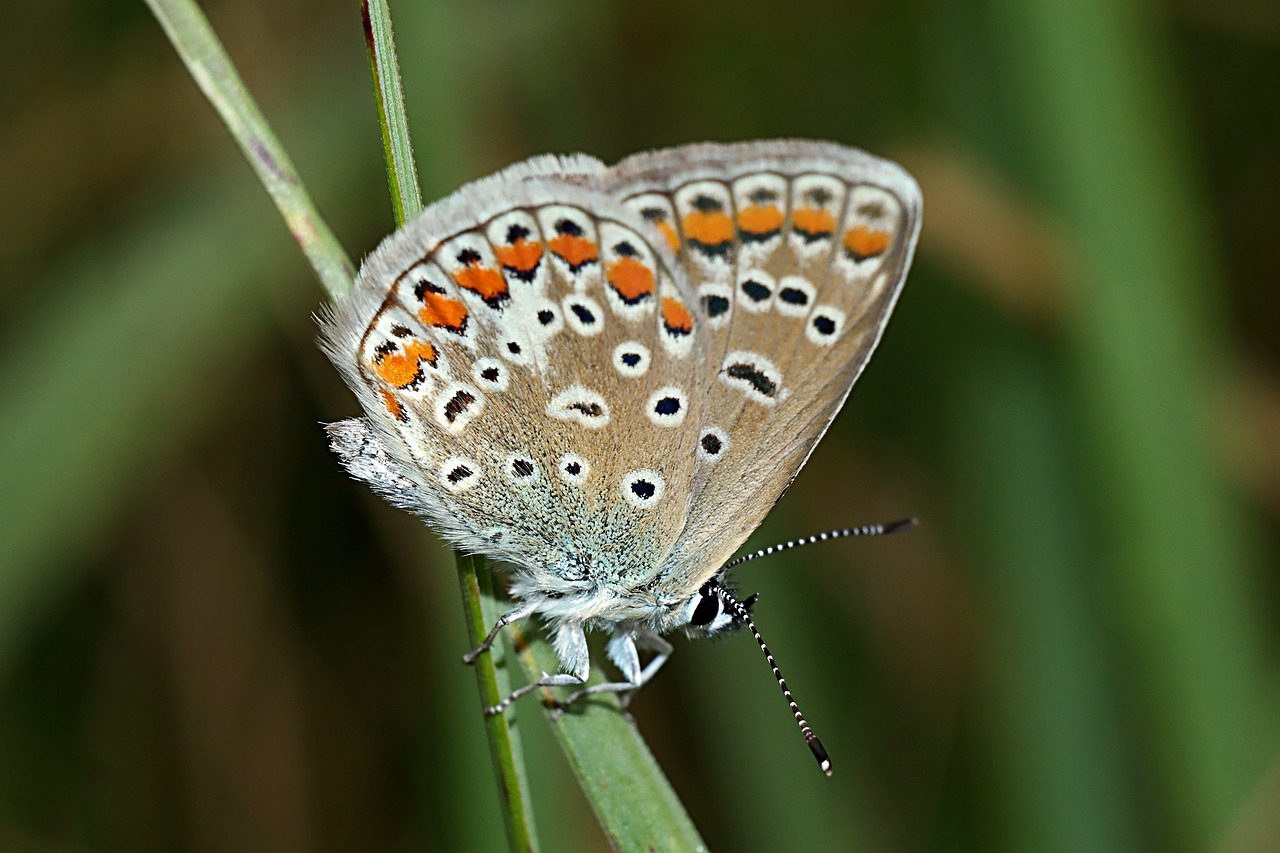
point(605, 377)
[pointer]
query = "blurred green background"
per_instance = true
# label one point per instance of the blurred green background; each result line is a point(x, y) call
point(211, 639)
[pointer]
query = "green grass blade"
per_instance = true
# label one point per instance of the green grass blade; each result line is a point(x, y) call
point(402, 173)
point(210, 66)
point(481, 608)
point(477, 587)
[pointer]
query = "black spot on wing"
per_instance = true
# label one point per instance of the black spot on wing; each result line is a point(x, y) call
point(747, 372)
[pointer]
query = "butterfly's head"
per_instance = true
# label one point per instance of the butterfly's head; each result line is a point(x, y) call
point(711, 610)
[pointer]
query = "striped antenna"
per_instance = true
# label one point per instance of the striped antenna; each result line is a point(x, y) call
point(865, 530)
point(743, 615)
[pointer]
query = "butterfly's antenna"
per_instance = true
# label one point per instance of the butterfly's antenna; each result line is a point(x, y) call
point(740, 611)
point(865, 530)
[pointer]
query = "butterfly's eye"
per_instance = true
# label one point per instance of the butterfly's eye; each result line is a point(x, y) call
point(708, 612)
point(707, 609)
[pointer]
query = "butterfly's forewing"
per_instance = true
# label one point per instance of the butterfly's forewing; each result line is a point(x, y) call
point(797, 252)
point(530, 361)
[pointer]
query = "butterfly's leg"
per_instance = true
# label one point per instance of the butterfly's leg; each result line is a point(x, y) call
point(515, 614)
point(622, 651)
point(571, 647)
point(662, 650)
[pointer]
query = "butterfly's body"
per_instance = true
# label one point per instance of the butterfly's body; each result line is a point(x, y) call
point(606, 377)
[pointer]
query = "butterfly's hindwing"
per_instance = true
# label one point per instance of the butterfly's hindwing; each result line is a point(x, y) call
point(537, 365)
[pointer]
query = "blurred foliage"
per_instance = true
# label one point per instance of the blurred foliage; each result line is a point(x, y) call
point(210, 639)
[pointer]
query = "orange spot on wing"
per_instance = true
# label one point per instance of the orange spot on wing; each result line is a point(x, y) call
point(676, 317)
point(574, 251)
point(813, 220)
point(710, 228)
point(521, 256)
point(760, 219)
point(402, 369)
point(393, 405)
point(863, 242)
point(488, 283)
point(631, 279)
point(443, 312)
point(673, 239)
